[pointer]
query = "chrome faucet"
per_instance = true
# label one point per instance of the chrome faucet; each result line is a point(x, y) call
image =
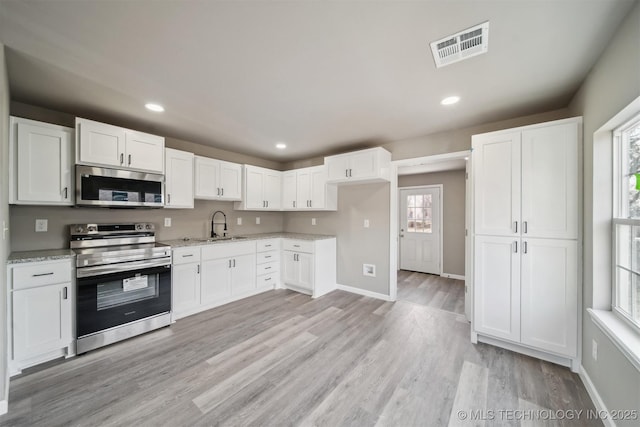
point(213, 224)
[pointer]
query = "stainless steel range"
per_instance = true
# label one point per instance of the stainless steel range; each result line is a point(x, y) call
point(123, 282)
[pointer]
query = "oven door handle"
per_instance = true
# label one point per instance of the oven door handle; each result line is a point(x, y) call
point(101, 270)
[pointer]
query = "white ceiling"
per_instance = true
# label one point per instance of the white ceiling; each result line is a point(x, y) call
point(321, 76)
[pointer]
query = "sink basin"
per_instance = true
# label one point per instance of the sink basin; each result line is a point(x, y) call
point(221, 239)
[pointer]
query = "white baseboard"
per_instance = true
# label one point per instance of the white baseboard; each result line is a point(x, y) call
point(4, 407)
point(595, 397)
point(363, 292)
point(452, 276)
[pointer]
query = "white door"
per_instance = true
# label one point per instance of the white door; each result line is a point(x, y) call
point(179, 179)
point(186, 287)
point(305, 271)
point(254, 197)
point(549, 295)
point(144, 151)
point(100, 143)
point(304, 189)
point(290, 267)
point(318, 187)
point(289, 190)
point(420, 229)
point(337, 168)
point(273, 189)
point(243, 274)
point(363, 165)
point(496, 287)
point(206, 178)
point(215, 280)
point(230, 181)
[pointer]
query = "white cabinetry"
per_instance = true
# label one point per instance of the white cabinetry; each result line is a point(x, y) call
point(307, 189)
point(217, 179)
point(41, 163)
point(526, 221)
point(40, 307)
point(178, 178)
point(262, 189)
point(309, 266)
point(268, 263)
point(371, 165)
point(102, 144)
point(185, 281)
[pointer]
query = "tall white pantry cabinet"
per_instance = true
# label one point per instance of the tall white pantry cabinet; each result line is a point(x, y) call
point(526, 195)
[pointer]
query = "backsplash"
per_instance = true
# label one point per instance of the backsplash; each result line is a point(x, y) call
point(184, 222)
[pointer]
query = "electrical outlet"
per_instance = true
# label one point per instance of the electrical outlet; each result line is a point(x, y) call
point(366, 223)
point(313, 221)
point(41, 225)
point(257, 220)
point(594, 349)
point(239, 221)
point(369, 270)
point(167, 222)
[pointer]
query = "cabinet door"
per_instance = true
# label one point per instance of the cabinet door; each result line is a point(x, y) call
point(305, 271)
point(318, 187)
point(185, 287)
point(497, 287)
point(215, 280)
point(144, 151)
point(206, 175)
point(254, 189)
point(550, 182)
point(550, 295)
point(179, 179)
point(304, 189)
point(289, 190)
point(41, 320)
point(44, 164)
point(230, 181)
point(273, 189)
point(290, 269)
point(337, 168)
point(496, 167)
point(243, 274)
point(100, 143)
point(363, 165)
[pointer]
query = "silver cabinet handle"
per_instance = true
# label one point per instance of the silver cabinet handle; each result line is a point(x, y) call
point(267, 278)
point(222, 191)
point(198, 269)
point(294, 203)
point(168, 199)
point(121, 158)
point(296, 246)
point(267, 203)
point(187, 256)
point(267, 246)
point(350, 173)
point(515, 226)
point(234, 263)
point(515, 249)
point(524, 247)
point(346, 173)
point(229, 263)
point(64, 293)
point(268, 256)
point(66, 192)
point(310, 203)
point(43, 274)
point(218, 191)
point(525, 227)
point(267, 268)
point(129, 159)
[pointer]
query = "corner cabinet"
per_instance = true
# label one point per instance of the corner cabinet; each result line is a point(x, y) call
point(359, 167)
point(309, 266)
point(101, 144)
point(261, 190)
point(217, 179)
point(40, 163)
point(307, 189)
point(178, 179)
point(526, 220)
point(40, 308)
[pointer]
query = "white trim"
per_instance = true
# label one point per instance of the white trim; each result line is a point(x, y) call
point(595, 397)
point(453, 276)
point(4, 407)
point(529, 351)
point(364, 292)
point(623, 336)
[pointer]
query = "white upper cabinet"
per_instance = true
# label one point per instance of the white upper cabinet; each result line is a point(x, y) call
point(102, 144)
point(307, 189)
point(371, 165)
point(262, 189)
point(178, 179)
point(40, 163)
point(217, 179)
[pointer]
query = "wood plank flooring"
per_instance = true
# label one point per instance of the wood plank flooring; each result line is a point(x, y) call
point(284, 359)
point(431, 290)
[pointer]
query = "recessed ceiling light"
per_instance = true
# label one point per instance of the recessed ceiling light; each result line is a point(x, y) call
point(450, 100)
point(281, 145)
point(154, 107)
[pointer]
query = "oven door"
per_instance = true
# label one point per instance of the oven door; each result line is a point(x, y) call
point(113, 299)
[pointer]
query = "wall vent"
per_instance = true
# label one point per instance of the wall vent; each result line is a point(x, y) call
point(465, 44)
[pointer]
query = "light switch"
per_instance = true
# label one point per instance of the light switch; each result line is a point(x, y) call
point(313, 221)
point(41, 225)
point(167, 222)
point(239, 221)
point(366, 223)
point(257, 220)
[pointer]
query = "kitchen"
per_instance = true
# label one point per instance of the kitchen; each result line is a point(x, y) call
point(356, 245)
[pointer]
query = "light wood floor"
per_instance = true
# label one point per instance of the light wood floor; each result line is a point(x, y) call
point(281, 359)
point(431, 290)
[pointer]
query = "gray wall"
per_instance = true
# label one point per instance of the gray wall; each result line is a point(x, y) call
point(453, 188)
point(4, 215)
point(610, 86)
point(356, 245)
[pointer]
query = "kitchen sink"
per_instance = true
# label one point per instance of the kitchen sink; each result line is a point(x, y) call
point(221, 239)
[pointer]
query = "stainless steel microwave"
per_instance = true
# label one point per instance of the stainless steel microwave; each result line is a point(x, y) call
point(118, 188)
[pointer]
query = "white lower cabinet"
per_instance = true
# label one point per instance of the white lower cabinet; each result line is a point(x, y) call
point(40, 307)
point(309, 266)
point(185, 279)
point(268, 263)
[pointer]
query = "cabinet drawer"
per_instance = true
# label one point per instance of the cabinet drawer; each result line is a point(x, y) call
point(186, 255)
point(269, 267)
point(31, 275)
point(268, 245)
point(228, 250)
point(299, 245)
point(268, 257)
point(265, 280)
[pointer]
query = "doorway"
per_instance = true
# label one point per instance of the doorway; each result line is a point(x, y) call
point(420, 229)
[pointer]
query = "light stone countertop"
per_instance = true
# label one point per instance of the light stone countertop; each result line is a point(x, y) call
point(196, 241)
point(39, 256)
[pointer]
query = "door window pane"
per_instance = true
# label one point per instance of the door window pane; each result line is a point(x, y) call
point(419, 213)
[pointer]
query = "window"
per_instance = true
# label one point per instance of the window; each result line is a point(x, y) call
point(419, 213)
point(626, 222)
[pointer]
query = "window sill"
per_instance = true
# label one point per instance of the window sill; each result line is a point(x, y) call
point(625, 338)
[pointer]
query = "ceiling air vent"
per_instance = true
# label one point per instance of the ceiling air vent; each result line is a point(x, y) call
point(462, 45)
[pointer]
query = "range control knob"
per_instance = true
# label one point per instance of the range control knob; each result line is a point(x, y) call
point(91, 228)
point(149, 227)
point(79, 229)
point(139, 226)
